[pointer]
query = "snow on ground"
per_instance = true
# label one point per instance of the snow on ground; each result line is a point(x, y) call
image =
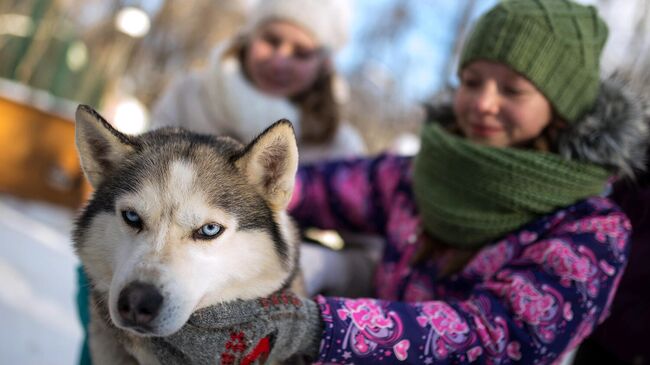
point(37, 284)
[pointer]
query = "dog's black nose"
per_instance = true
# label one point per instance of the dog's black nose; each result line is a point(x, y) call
point(139, 304)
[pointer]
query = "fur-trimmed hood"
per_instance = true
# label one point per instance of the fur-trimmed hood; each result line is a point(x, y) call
point(614, 134)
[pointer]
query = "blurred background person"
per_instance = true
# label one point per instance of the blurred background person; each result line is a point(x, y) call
point(279, 66)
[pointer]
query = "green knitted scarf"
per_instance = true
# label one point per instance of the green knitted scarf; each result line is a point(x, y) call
point(471, 194)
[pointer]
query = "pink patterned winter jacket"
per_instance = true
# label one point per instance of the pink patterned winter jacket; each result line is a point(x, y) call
point(527, 298)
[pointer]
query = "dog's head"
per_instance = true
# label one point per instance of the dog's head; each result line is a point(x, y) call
point(179, 221)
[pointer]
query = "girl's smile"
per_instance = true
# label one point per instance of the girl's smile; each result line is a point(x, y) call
point(484, 130)
point(496, 106)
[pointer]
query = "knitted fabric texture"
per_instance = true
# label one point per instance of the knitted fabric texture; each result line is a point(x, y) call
point(470, 194)
point(556, 44)
point(245, 332)
point(327, 20)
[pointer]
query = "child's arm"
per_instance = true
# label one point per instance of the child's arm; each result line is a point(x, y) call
point(350, 195)
point(537, 306)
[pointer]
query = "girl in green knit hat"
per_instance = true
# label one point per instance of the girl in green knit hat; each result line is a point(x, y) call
point(501, 245)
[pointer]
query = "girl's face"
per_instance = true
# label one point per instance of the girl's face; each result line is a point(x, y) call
point(496, 106)
point(283, 59)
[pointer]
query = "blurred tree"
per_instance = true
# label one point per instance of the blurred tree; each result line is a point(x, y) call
point(35, 47)
point(461, 27)
point(376, 107)
point(19, 28)
point(73, 49)
point(378, 102)
point(177, 44)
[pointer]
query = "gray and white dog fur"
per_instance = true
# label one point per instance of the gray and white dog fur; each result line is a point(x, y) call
point(177, 222)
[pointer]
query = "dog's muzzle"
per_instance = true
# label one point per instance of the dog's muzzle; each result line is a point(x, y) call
point(138, 305)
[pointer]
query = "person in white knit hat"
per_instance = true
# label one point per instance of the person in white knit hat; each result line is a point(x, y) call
point(279, 66)
point(327, 21)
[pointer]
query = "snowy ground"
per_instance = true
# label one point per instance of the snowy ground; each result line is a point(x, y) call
point(37, 284)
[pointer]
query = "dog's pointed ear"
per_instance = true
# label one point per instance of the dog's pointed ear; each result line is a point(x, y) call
point(100, 146)
point(270, 163)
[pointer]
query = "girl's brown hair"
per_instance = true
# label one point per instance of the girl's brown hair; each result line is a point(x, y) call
point(547, 140)
point(319, 110)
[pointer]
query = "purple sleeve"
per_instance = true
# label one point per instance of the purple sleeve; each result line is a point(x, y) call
point(543, 301)
point(350, 195)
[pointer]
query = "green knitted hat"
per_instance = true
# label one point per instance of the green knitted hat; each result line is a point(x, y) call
point(556, 44)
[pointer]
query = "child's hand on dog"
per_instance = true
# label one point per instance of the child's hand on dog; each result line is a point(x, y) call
point(244, 331)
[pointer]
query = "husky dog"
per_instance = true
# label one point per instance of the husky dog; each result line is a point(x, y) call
point(179, 221)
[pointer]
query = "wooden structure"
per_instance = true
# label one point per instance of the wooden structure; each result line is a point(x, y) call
point(38, 159)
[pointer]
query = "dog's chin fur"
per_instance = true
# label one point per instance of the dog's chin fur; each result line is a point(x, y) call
point(177, 182)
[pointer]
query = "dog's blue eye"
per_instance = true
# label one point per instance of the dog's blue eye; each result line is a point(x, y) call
point(131, 216)
point(132, 219)
point(209, 231)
